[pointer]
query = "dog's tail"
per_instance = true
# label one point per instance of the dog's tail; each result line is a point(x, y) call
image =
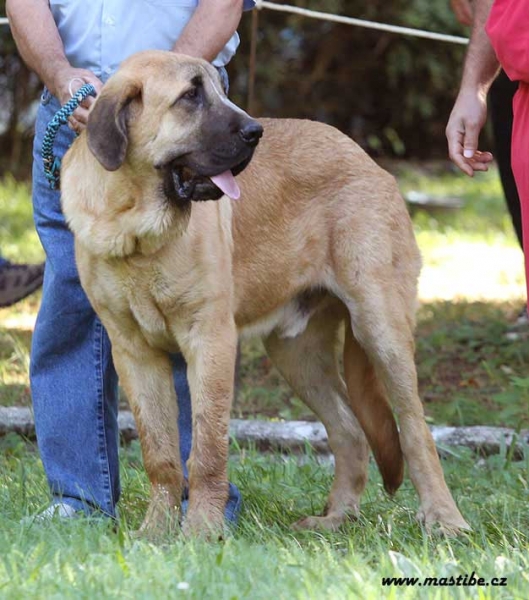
point(369, 403)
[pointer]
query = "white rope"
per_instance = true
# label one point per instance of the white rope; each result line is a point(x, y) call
point(313, 14)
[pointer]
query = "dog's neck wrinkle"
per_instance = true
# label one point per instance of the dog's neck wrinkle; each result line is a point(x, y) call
point(116, 219)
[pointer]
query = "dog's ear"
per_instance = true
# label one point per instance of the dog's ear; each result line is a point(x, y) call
point(107, 127)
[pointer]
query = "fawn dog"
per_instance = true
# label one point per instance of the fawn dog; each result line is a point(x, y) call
point(320, 239)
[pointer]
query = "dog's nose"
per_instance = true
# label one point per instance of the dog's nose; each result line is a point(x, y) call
point(251, 133)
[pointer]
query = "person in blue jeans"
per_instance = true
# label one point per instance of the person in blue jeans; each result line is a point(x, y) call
point(73, 381)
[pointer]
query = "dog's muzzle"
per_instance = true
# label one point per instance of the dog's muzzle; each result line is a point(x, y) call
point(212, 175)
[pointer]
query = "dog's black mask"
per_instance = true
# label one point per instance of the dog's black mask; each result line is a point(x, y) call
point(226, 143)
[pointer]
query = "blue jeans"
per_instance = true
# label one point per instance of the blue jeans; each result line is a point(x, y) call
point(3, 261)
point(73, 380)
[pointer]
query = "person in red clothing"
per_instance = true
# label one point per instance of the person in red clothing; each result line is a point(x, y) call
point(509, 35)
point(499, 35)
point(499, 99)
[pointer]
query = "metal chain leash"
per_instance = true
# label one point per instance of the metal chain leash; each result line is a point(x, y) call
point(52, 164)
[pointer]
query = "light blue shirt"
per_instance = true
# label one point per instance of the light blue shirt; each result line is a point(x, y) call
point(99, 34)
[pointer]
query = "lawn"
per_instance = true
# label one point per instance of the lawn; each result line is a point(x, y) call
point(263, 558)
point(472, 369)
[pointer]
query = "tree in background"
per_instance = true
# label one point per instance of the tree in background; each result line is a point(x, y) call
point(393, 94)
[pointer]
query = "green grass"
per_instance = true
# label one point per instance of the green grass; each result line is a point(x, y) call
point(18, 239)
point(482, 217)
point(264, 558)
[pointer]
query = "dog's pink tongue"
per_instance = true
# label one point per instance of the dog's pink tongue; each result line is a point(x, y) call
point(226, 182)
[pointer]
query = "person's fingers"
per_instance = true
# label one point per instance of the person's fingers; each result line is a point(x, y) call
point(470, 138)
point(77, 83)
point(96, 82)
point(88, 101)
point(462, 153)
point(73, 124)
point(480, 161)
point(69, 81)
point(485, 157)
point(80, 114)
point(455, 137)
point(74, 85)
point(78, 120)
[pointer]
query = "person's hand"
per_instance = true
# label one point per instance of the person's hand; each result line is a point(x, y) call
point(462, 132)
point(66, 83)
point(462, 10)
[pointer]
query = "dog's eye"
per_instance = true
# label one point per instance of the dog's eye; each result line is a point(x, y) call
point(191, 94)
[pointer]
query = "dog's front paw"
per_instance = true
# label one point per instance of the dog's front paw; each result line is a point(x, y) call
point(160, 524)
point(163, 514)
point(207, 525)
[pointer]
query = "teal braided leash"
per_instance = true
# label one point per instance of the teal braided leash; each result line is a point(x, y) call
point(52, 164)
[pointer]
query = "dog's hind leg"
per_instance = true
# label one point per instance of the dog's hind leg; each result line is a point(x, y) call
point(383, 327)
point(147, 378)
point(309, 364)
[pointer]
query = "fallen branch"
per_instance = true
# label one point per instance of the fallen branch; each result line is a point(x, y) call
point(293, 436)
